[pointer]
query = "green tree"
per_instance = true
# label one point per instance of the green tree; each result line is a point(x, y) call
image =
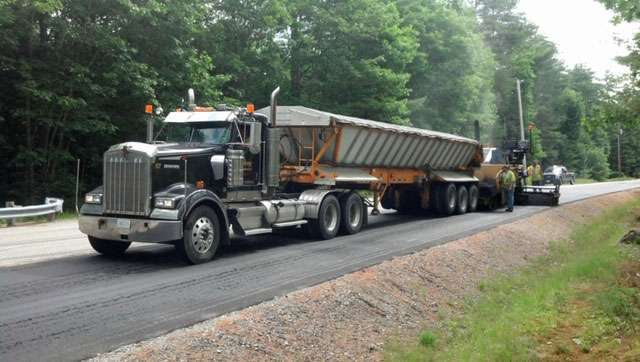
point(621, 109)
point(452, 74)
point(537, 150)
point(628, 10)
point(350, 57)
point(246, 41)
point(76, 76)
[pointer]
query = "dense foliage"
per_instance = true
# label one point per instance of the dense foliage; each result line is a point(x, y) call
point(75, 75)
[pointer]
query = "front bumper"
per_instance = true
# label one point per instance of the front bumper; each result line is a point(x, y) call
point(142, 230)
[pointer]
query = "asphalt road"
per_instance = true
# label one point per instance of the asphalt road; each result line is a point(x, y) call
point(59, 300)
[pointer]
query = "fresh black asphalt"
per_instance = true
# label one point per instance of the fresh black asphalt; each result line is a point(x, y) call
point(76, 307)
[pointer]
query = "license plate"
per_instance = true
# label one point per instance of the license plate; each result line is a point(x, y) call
point(123, 224)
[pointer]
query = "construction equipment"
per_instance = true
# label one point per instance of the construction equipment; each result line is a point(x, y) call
point(513, 154)
point(525, 194)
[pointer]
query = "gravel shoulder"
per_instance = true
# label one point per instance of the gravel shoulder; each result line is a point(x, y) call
point(352, 317)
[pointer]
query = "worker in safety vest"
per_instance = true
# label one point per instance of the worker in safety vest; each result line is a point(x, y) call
point(535, 173)
point(507, 183)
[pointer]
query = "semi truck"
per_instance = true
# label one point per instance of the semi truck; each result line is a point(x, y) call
point(214, 172)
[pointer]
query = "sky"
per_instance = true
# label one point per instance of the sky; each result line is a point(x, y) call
point(582, 31)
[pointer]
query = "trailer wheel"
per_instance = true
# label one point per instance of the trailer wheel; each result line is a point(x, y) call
point(462, 200)
point(353, 213)
point(201, 236)
point(327, 224)
point(108, 247)
point(447, 199)
point(474, 195)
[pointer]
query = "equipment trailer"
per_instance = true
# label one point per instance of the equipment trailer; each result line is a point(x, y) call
point(254, 172)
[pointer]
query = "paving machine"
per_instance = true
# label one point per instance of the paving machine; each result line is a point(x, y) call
point(526, 194)
point(513, 153)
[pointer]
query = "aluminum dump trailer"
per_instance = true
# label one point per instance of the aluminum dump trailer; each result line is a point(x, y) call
point(406, 168)
point(353, 148)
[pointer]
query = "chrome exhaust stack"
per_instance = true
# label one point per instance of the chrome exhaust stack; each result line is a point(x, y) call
point(274, 106)
point(191, 99)
point(271, 176)
point(149, 129)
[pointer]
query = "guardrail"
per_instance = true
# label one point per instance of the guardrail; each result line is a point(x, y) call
point(50, 207)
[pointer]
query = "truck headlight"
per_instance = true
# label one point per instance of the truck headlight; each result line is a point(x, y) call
point(165, 203)
point(93, 199)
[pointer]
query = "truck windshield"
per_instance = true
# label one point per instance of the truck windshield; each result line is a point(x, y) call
point(212, 133)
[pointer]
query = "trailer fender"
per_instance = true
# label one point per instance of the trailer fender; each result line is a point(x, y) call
point(312, 200)
point(209, 198)
point(453, 176)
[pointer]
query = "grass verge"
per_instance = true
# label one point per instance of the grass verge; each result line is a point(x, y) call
point(582, 301)
point(582, 180)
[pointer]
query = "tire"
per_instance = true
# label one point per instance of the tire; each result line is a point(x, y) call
point(572, 181)
point(201, 236)
point(108, 247)
point(352, 213)
point(462, 200)
point(474, 196)
point(447, 199)
point(327, 225)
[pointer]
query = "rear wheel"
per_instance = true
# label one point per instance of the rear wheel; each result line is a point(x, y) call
point(327, 224)
point(201, 236)
point(353, 213)
point(108, 247)
point(462, 200)
point(474, 195)
point(447, 199)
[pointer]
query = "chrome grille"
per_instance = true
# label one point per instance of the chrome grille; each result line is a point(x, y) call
point(127, 183)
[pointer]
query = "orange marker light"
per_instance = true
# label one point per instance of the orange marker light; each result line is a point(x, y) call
point(251, 108)
point(148, 109)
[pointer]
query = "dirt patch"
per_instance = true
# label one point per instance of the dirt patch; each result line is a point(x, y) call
point(353, 316)
point(567, 342)
point(630, 275)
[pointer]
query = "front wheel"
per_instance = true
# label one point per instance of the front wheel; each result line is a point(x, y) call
point(108, 247)
point(201, 236)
